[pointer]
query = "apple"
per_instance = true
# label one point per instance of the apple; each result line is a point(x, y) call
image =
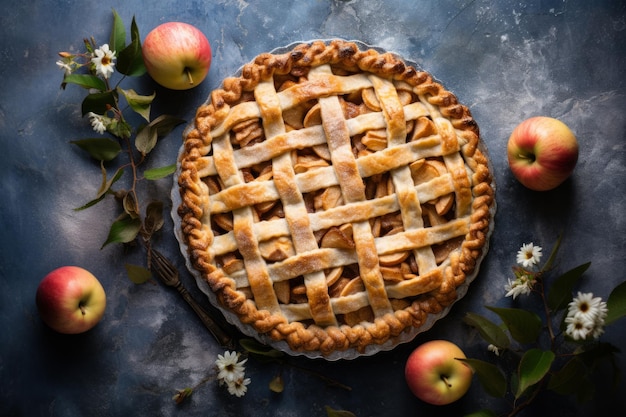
point(177, 55)
point(542, 152)
point(70, 300)
point(435, 375)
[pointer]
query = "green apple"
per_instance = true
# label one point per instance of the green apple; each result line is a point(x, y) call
point(435, 375)
point(542, 152)
point(177, 55)
point(70, 300)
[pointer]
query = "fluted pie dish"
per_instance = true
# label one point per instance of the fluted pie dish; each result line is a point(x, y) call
point(332, 199)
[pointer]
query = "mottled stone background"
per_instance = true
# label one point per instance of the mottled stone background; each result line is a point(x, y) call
point(506, 60)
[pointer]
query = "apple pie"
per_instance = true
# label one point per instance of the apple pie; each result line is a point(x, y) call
point(333, 197)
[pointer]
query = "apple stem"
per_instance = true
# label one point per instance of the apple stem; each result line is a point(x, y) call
point(81, 306)
point(529, 157)
point(189, 76)
point(445, 379)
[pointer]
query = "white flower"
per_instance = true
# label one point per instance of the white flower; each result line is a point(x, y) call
point(65, 66)
point(578, 328)
point(585, 316)
point(494, 349)
point(586, 305)
point(521, 286)
point(597, 331)
point(97, 122)
point(529, 255)
point(104, 60)
point(238, 387)
point(232, 373)
point(229, 367)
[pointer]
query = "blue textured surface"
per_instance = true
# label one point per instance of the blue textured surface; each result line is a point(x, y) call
point(506, 60)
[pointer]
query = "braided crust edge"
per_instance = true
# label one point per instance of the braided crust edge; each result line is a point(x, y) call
point(198, 236)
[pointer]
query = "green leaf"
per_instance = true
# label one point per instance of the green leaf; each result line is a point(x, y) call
point(140, 104)
point(490, 376)
point(158, 173)
point(593, 354)
point(330, 412)
point(86, 81)
point(257, 348)
point(596, 355)
point(489, 331)
point(560, 293)
point(117, 42)
point(567, 379)
point(134, 31)
point(552, 257)
point(123, 230)
point(600, 350)
point(166, 123)
point(90, 203)
point(616, 303)
point(107, 184)
point(524, 326)
point(533, 366)
point(130, 60)
point(147, 137)
point(137, 274)
point(101, 149)
point(98, 103)
point(573, 379)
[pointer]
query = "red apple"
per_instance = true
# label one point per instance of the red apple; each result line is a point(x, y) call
point(70, 300)
point(435, 375)
point(542, 152)
point(177, 55)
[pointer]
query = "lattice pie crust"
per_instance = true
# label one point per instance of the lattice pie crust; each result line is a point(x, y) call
point(334, 197)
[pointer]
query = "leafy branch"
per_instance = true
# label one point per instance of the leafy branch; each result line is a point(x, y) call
point(109, 107)
point(557, 352)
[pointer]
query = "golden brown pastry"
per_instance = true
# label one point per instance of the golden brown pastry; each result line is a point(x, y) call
point(334, 198)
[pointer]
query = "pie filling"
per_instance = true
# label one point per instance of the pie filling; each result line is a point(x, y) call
point(334, 197)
